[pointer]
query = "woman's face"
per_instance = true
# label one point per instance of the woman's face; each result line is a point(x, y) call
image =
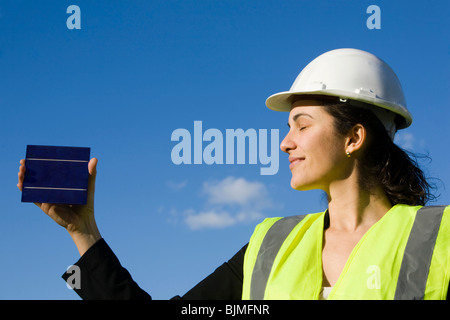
point(317, 153)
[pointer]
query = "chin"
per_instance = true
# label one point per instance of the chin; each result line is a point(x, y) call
point(301, 185)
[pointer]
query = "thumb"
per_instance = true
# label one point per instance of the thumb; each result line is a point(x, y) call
point(92, 167)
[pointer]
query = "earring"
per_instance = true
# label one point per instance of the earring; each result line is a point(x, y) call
point(348, 154)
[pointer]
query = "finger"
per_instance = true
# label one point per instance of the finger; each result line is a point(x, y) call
point(21, 175)
point(92, 167)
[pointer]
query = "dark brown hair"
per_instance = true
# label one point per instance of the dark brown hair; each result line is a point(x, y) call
point(383, 161)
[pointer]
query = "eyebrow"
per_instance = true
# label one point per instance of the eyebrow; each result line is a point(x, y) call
point(300, 114)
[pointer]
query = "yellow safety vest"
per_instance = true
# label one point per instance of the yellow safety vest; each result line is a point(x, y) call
point(403, 256)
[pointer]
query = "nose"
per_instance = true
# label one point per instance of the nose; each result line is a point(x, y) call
point(287, 144)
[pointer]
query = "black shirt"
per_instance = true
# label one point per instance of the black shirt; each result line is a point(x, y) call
point(104, 278)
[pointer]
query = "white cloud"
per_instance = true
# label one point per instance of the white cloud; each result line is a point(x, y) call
point(215, 218)
point(408, 141)
point(233, 190)
point(209, 219)
point(229, 202)
point(176, 186)
point(405, 140)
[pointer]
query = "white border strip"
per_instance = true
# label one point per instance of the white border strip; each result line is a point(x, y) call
point(45, 188)
point(36, 159)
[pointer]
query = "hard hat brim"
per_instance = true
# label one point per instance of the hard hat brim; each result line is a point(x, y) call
point(282, 101)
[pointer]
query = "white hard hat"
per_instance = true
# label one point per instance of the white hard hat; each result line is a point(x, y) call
point(354, 76)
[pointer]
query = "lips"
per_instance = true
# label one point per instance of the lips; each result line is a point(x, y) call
point(294, 161)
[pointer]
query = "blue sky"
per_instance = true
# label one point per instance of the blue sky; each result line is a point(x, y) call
point(138, 70)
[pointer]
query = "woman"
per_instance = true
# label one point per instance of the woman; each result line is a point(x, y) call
point(374, 242)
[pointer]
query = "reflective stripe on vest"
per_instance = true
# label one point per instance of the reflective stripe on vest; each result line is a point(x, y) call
point(267, 252)
point(414, 268)
point(417, 256)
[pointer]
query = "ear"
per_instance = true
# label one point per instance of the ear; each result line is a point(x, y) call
point(355, 138)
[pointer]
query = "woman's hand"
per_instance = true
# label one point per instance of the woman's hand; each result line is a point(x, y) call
point(78, 220)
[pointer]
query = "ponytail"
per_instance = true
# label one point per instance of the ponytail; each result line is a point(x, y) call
point(383, 161)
